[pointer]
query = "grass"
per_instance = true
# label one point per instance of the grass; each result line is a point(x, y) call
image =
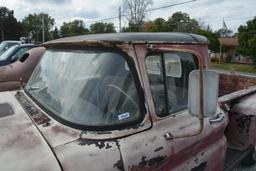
point(234, 67)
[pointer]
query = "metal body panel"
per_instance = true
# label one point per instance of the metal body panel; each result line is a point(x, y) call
point(14, 51)
point(55, 133)
point(21, 144)
point(85, 154)
point(151, 151)
point(10, 85)
point(246, 105)
point(242, 126)
point(143, 146)
point(11, 74)
point(210, 158)
point(131, 38)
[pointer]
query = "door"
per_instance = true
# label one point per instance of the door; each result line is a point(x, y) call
point(155, 149)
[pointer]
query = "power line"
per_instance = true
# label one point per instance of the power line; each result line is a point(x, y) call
point(152, 9)
point(169, 24)
point(168, 6)
point(228, 18)
point(104, 19)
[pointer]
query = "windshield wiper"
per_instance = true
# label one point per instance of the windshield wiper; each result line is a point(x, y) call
point(33, 88)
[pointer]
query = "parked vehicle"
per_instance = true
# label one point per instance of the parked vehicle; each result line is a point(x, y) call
point(14, 53)
point(129, 101)
point(17, 73)
point(5, 45)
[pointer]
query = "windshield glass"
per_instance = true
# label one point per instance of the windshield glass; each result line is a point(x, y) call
point(3, 46)
point(91, 88)
point(7, 53)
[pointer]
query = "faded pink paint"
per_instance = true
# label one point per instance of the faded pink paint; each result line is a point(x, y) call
point(144, 147)
point(10, 75)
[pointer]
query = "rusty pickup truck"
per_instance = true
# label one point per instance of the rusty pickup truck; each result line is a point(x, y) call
point(126, 101)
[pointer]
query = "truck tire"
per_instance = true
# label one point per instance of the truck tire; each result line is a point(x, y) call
point(250, 159)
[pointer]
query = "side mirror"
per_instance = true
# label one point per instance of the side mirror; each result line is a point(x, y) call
point(14, 58)
point(211, 89)
point(24, 57)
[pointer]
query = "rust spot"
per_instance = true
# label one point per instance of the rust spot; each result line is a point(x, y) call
point(119, 164)
point(153, 162)
point(38, 117)
point(243, 123)
point(103, 132)
point(98, 143)
point(201, 167)
point(158, 149)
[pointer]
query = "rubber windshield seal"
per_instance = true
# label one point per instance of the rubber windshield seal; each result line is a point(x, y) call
point(139, 88)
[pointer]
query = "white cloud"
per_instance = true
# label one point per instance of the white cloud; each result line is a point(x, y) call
point(235, 12)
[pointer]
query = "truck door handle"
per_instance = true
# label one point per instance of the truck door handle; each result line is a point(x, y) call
point(218, 118)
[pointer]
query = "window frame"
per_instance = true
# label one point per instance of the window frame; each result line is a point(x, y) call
point(131, 64)
point(161, 53)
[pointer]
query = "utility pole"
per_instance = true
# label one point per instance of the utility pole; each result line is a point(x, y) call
point(43, 26)
point(2, 35)
point(220, 52)
point(120, 18)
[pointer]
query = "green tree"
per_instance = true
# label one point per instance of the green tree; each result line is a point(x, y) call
point(55, 33)
point(181, 22)
point(102, 27)
point(214, 44)
point(10, 28)
point(33, 26)
point(73, 28)
point(157, 25)
point(224, 32)
point(247, 39)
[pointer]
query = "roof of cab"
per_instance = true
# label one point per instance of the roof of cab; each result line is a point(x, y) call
point(135, 38)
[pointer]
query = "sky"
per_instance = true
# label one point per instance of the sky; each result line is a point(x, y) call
point(212, 12)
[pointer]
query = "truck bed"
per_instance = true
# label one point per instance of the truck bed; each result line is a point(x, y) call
point(238, 99)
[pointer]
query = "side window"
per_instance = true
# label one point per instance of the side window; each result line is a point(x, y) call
point(21, 52)
point(156, 79)
point(168, 77)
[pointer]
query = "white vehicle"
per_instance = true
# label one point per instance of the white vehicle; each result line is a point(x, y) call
point(5, 45)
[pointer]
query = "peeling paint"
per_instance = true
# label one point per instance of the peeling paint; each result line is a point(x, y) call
point(243, 124)
point(154, 162)
point(32, 110)
point(201, 167)
point(158, 149)
point(119, 164)
point(98, 143)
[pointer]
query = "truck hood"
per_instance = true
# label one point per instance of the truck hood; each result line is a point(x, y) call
point(22, 146)
point(73, 151)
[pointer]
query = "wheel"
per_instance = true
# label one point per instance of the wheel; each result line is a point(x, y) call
point(250, 159)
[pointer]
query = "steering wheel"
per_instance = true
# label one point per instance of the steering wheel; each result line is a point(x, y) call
point(122, 92)
point(113, 110)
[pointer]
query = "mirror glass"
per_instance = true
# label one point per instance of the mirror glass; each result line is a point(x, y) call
point(14, 58)
point(211, 89)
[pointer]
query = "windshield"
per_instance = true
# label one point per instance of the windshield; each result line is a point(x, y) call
point(7, 53)
point(2, 46)
point(85, 87)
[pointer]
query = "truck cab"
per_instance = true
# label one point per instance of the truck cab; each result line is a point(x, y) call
point(128, 101)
